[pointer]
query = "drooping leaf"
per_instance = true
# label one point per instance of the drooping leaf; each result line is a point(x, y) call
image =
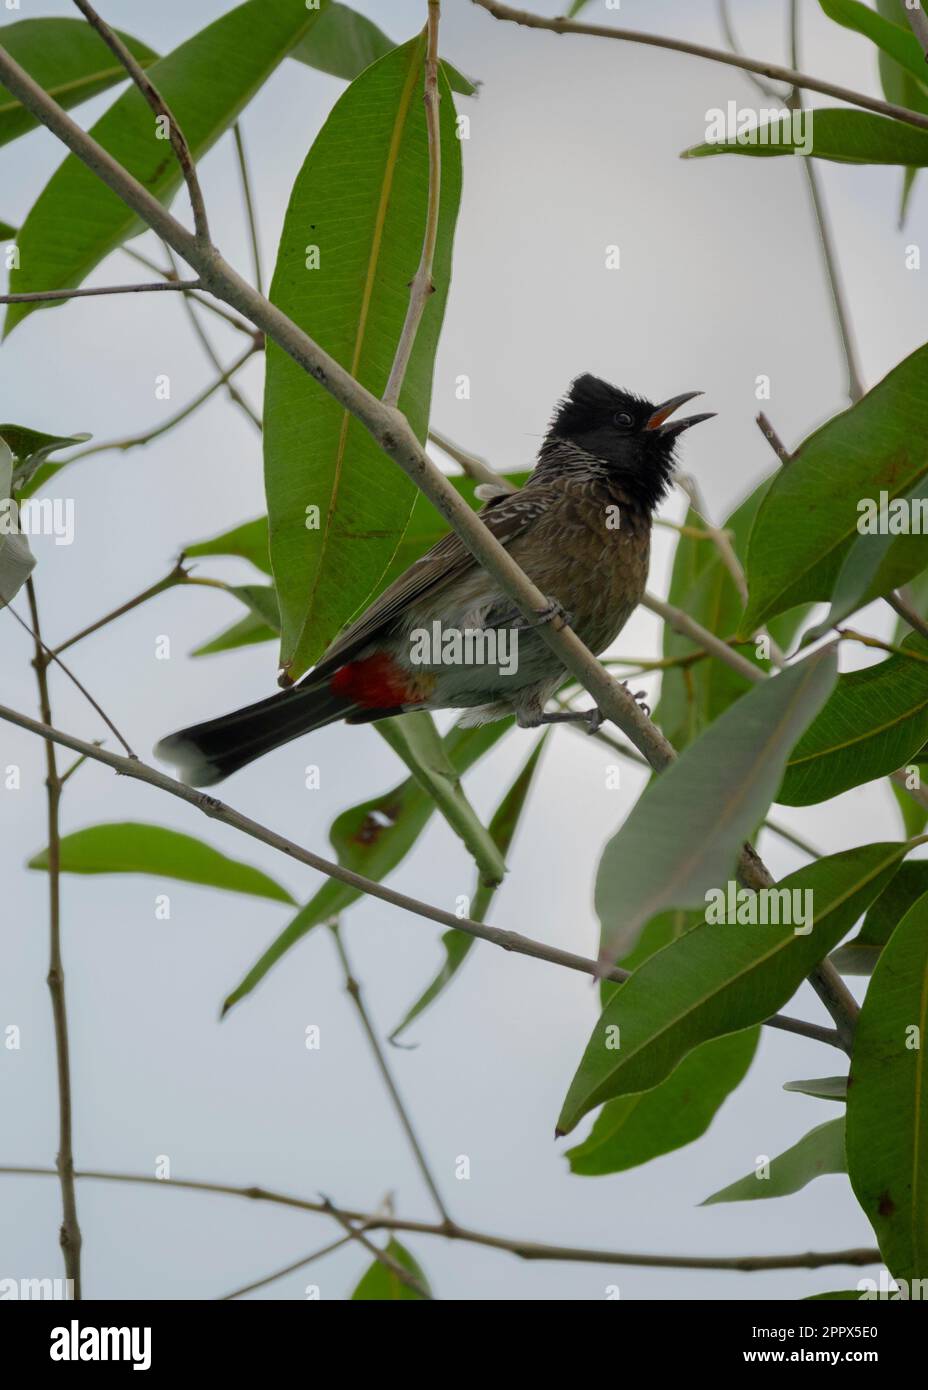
point(372, 838)
point(16, 559)
point(129, 847)
point(31, 449)
point(359, 205)
point(380, 1282)
point(247, 632)
point(249, 541)
point(899, 43)
point(859, 955)
point(887, 1106)
point(877, 564)
point(819, 1152)
point(634, 1129)
point(456, 945)
point(808, 520)
point(717, 979)
point(414, 738)
point(206, 82)
point(901, 87)
point(686, 831)
point(822, 1087)
point(68, 60)
point(344, 43)
point(848, 137)
point(875, 721)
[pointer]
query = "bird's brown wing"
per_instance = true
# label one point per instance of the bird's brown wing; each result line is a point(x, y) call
point(506, 516)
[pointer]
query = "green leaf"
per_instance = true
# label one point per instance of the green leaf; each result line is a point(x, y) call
point(914, 815)
point(634, 1129)
point(887, 1106)
point(808, 520)
point(823, 1087)
point(877, 563)
point(819, 1152)
point(249, 541)
point(381, 1283)
point(834, 1295)
point(899, 43)
point(372, 839)
point(248, 632)
point(344, 43)
point(133, 848)
point(68, 59)
point(859, 955)
point(414, 738)
point(31, 449)
point(7, 232)
point(901, 87)
point(456, 945)
point(206, 82)
point(686, 831)
point(361, 198)
point(875, 722)
point(717, 979)
point(848, 137)
point(16, 559)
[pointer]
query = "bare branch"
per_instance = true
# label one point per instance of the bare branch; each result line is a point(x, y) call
point(70, 1234)
point(42, 296)
point(907, 613)
point(422, 287)
point(773, 439)
point(688, 627)
point(249, 204)
point(159, 106)
point(714, 55)
point(381, 1256)
point(525, 1249)
point(919, 22)
point(178, 575)
point(309, 1259)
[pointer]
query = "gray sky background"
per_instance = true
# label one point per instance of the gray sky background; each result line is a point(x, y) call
point(574, 146)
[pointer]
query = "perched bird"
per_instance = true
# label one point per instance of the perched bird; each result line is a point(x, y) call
point(580, 528)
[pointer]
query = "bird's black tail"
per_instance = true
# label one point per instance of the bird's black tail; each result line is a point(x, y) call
point(206, 753)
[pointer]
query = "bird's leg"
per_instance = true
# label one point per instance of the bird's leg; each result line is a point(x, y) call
point(553, 612)
point(639, 698)
point(591, 717)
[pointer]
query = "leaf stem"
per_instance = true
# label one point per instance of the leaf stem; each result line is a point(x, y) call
point(42, 296)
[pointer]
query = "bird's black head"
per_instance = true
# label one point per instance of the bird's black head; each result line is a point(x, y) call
point(632, 437)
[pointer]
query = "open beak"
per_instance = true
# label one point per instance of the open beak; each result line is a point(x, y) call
point(663, 412)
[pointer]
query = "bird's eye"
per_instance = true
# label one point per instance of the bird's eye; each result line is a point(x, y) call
point(623, 420)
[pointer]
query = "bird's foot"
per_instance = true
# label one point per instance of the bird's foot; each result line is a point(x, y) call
point(639, 698)
point(591, 717)
point(553, 612)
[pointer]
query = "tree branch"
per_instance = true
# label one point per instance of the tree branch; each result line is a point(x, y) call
point(919, 23)
point(249, 204)
point(381, 1256)
point(41, 296)
point(70, 1234)
point(715, 55)
point(159, 106)
point(525, 1249)
point(907, 613)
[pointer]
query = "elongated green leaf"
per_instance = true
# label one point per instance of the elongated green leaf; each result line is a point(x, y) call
point(875, 721)
point(380, 1282)
point(249, 541)
point(901, 87)
point(7, 232)
point(822, 1087)
point(344, 43)
point(887, 1105)
point(414, 738)
point(31, 449)
point(360, 199)
point(859, 955)
point(808, 520)
point(899, 43)
point(372, 839)
point(68, 59)
point(834, 1296)
point(247, 632)
point(877, 564)
point(456, 945)
point(818, 1152)
point(848, 137)
point(16, 558)
point(133, 848)
point(634, 1129)
point(718, 979)
point(206, 82)
point(684, 835)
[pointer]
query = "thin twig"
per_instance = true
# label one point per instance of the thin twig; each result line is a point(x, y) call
point(793, 839)
point(218, 810)
point(850, 634)
point(70, 1234)
point(207, 303)
point(289, 1269)
point(758, 82)
point(178, 575)
point(907, 613)
point(474, 467)
point(422, 286)
point(714, 55)
point(688, 627)
point(919, 23)
point(773, 439)
point(39, 296)
point(388, 427)
point(353, 988)
point(381, 1256)
point(525, 1249)
point(249, 205)
point(160, 107)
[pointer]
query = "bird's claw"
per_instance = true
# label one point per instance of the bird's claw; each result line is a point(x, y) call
point(639, 698)
point(594, 718)
point(553, 612)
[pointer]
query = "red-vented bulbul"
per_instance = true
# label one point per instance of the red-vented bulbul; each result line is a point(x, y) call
point(580, 528)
